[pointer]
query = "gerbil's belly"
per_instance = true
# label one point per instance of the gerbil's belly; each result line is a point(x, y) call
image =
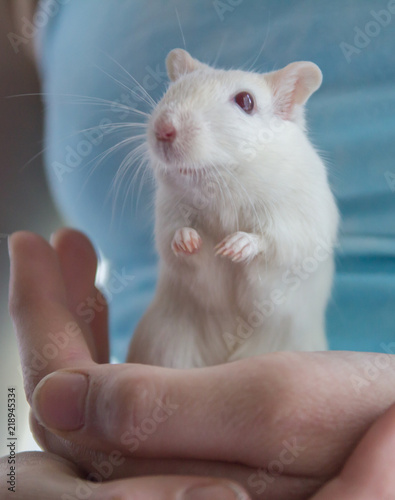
point(210, 310)
point(216, 283)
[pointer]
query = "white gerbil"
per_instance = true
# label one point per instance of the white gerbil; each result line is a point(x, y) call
point(245, 219)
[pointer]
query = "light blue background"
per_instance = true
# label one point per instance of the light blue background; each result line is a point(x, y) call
point(352, 121)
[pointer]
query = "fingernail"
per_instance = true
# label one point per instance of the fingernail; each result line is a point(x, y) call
point(215, 492)
point(59, 401)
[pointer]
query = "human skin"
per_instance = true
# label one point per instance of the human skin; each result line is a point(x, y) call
point(228, 421)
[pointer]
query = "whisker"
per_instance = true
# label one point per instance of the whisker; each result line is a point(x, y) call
point(219, 51)
point(146, 172)
point(114, 125)
point(102, 156)
point(133, 182)
point(141, 98)
point(78, 99)
point(130, 158)
point(149, 97)
point(179, 24)
point(137, 156)
point(251, 66)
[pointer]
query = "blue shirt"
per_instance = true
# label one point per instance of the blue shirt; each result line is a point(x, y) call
point(101, 49)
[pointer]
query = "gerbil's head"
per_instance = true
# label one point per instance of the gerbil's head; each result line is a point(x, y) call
point(214, 119)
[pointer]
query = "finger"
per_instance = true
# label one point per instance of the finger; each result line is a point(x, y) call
point(157, 412)
point(78, 263)
point(170, 488)
point(109, 406)
point(45, 476)
point(99, 327)
point(49, 336)
point(254, 480)
point(39, 475)
point(369, 472)
point(283, 407)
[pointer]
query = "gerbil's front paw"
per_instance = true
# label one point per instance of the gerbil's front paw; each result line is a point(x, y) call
point(239, 247)
point(186, 241)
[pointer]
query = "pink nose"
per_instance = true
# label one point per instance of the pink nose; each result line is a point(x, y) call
point(165, 131)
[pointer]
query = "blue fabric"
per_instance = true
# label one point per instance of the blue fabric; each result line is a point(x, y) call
point(352, 119)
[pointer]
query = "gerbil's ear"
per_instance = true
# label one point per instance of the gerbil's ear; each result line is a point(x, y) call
point(179, 62)
point(293, 85)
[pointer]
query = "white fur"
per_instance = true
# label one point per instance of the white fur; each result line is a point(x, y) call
point(229, 172)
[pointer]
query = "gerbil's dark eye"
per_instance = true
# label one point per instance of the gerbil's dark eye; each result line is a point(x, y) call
point(245, 101)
